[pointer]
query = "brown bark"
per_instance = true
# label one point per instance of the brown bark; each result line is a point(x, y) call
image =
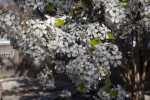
point(136, 61)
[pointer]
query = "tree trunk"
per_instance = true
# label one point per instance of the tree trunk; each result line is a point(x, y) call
point(135, 75)
point(138, 95)
point(136, 58)
point(139, 71)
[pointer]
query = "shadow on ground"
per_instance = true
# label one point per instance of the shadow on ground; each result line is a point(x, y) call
point(24, 88)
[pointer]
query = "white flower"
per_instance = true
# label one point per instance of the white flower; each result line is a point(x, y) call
point(115, 17)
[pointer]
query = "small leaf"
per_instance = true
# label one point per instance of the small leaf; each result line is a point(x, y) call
point(107, 85)
point(110, 36)
point(50, 6)
point(114, 93)
point(126, 20)
point(1, 77)
point(123, 3)
point(81, 87)
point(32, 24)
point(59, 22)
point(95, 42)
point(123, 66)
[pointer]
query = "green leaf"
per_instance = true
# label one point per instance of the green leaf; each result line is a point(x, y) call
point(32, 24)
point(114, 93)
point(123, 3)
point(81, 87)
point(110, 36)
point(50, 6)
point(126, 20)
point(123, 66)
point(1, 77)
point(59, 22)
point(107, 85)
point(95, 42)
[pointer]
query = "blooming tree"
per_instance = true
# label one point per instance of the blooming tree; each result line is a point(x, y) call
point(83, 39)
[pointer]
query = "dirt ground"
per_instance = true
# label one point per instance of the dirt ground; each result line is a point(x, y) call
point(25, 88)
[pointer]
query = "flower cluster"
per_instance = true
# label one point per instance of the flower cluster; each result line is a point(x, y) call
point(30, 37)
point(8, 22)
point(121, 92)
point(75, 46)
point(33, 3)
point(43, 38)
point(71, 50)
point(106, 54)
point(87, 67)
point(83, 71)
point(144, 1)
point(7, 18)
point(86, 33)
point(146, 11)
point(102, 95)
point(119, 95)
point(41, 4)
point(113, 10)
point(46, 78)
